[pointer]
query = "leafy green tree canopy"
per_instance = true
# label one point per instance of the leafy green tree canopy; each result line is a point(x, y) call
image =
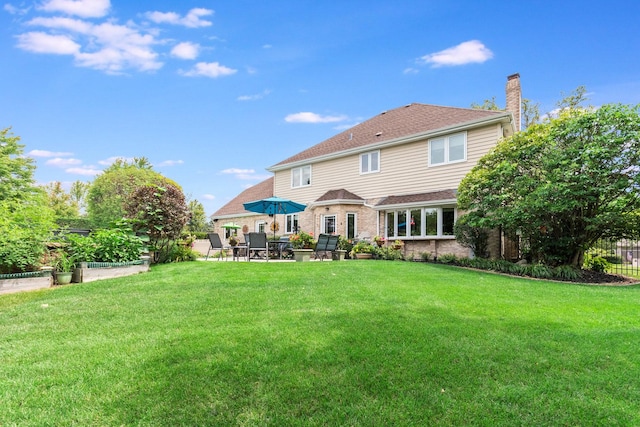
point(562, 184)
point(60, 201)
point(16, 171)
point(197, 217)
point(111, 190)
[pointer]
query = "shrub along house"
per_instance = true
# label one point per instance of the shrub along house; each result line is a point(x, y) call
point(394, 175)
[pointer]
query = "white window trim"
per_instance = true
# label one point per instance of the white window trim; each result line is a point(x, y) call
point(446, 150)
point(300, 184)
point(286, 222)
point(423, 225)
point(355, 223)
point(368, 154)
point(323, 223)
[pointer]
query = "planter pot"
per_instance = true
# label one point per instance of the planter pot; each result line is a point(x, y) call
point(63, 278)
point(338, 255)
point(364, 256)
point(301, 255)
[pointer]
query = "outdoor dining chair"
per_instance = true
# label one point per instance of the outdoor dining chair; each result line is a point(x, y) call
point(332, 245)
point(321, 246)
point(257, 242)
point(216, 244)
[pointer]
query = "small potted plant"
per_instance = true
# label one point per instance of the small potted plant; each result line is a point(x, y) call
point(64, 265)
point(233, 240)
point(398, 244)
point(302, 240)
point(363, 250)
point(379, 240)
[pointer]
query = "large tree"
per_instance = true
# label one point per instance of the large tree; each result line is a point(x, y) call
point(562, 184)
point(197, 217)
point(16, 170)
point(111, 190)
point(60, 201)
point(25, 219)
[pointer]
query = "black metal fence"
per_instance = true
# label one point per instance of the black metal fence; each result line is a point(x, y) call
point(623, 256)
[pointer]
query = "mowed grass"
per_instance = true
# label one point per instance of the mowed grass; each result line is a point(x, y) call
point(372, 343)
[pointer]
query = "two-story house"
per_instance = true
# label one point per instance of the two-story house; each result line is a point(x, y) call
point(394, 175)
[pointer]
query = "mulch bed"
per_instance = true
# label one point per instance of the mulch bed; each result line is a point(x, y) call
point(595, 278)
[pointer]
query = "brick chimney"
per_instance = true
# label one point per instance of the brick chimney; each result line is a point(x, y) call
point(514, 99)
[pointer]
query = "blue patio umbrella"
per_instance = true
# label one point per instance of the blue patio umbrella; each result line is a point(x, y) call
point(274, 206)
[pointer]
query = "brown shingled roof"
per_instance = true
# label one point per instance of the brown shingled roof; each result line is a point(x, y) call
point(405, 121)
point(341, 194)
point(262, 190)
point(432, 196)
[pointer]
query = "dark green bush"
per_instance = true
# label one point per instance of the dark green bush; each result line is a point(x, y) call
point(447, 259)
point(566, 272)
point(181, 253)
point(81, 248)
point(596, 263)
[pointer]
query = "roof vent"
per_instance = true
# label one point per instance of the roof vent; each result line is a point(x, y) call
point(379, 133)
point(384, 112)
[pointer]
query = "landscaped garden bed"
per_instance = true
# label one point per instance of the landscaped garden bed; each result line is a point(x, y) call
point(18, 282)
point(90, 271)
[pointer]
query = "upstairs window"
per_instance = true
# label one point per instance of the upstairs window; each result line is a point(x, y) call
point(370, 162)
point(448, 149)
point(301, 177)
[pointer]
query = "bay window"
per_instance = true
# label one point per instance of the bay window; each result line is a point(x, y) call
point(420, 222)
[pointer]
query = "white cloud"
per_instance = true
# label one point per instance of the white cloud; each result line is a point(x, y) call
point(83, 8)
point(109, 161)
point(254, 97)
point(209, 69)
point(208, 196)
point(186, 50)
point(39, 42)
point(170, 163)
point(307, 117)
point(410, 70)
point(244, 174)
point(472, 51)
point(15, 10)
point(62, 162)
point(84, 170)
point(110, 47)
point(192, 19)
point(45, 153)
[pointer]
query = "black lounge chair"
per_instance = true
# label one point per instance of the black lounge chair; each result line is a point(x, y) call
point(321, 246)
point(257, 242)
point(216, 244)
point(332, 245)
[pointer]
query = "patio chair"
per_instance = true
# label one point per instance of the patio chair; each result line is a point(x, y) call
point(332, 245)
point(285, 248)
point(257, 243)
point(216, 244)
point(321, 246)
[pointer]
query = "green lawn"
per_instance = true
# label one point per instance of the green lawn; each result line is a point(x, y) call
point(373, 343)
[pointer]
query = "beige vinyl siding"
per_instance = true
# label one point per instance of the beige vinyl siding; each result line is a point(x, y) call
point(404, 169)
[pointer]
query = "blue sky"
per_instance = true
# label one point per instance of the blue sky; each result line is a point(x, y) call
point(214, 92)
